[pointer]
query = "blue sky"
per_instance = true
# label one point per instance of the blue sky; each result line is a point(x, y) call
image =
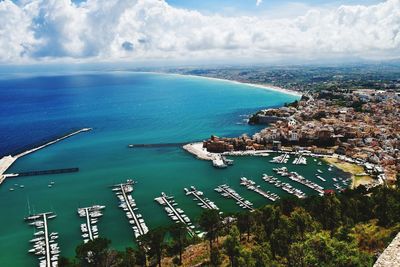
point(247, 7)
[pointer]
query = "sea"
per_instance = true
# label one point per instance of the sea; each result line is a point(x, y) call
point(122, 108)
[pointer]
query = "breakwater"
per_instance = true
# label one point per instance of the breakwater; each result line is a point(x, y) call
point(7, 161)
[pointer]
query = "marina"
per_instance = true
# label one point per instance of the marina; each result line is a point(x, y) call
point(89, 228)
point(128, 204)
point(228, 192)
point(203, 202)
point(45, 245)
point(284, 186)
point(251, 185)
point(176, 214)
point(294, 176)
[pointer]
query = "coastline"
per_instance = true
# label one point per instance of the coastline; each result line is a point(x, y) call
point(260, 86)
point(358, 176)
point(268, 87)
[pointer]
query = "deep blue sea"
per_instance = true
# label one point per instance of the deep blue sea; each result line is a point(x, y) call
point(122, 108)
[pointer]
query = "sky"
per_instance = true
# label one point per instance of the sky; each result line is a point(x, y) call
point(198, 30)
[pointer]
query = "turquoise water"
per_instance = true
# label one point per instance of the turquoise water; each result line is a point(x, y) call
point(122, 108)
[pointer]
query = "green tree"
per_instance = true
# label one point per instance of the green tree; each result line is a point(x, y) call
point(127, 258)
point(232, 246)
point(262, 255)
point(301, 223)
point(93, 253)
point(179, 235)
point(215, 257)
point(244, 223)
point(322, 250)
point(210, 221)
point(154, 241)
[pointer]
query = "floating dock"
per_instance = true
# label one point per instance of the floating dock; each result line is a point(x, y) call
point(128, 204)
point(300, 160)
point(251, 185)
point(176, 214)
point(202, 201)
point(44, 244)
point(284, 158)
point(294, 176)
point(7, 161)
point(228, 192)
point(89, 228)
point(284, 186)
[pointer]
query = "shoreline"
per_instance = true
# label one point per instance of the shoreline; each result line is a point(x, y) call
point(268, 87)
point(260, 86)
point(357, 173)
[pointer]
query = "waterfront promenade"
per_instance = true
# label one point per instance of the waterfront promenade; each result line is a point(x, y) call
point(7, 161)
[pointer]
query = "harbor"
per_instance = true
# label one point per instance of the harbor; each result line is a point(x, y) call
point(203, 202)
point(251, 185)
point(284, 186)
point(127, 203)
point(228, 192)
point(45, 245)
point(89, 228)
point(176, 214)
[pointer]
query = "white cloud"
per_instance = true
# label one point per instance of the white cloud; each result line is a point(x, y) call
point(151, 29)
point(258, 2)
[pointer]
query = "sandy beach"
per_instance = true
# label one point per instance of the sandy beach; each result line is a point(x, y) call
point(268, 87)
point(261, 86)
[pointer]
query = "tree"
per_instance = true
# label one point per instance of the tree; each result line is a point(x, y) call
point(93, 253)
point(210, 221)
point(232, 246)
point(215, 257)
point(322, 250)
point(179, 235)
point(127, 258)
point(244, 223)
point(154, 241)
point(262, 255)
point(301, 222)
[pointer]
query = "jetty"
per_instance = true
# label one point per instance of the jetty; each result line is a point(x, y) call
point(128, 204)
point(7, 161)
point(44, 244)
point(284, 158)
point(252, 186)
point(284, 186)
point(228, 192)
point(176, 214)
point(294, 176)
point(203, 202)
point(300, 160)
point(89, 228)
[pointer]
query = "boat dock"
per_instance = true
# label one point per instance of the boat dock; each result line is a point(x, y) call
point(251, 185)
point(203, 202)
point(228, 192)
point(128, 204)
point(284, 186)
point(89, 229)
point(294, 176)
point(44, 244)
point(300, 160)
point(284, 158)
point(7, 161)
point(176, 214)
